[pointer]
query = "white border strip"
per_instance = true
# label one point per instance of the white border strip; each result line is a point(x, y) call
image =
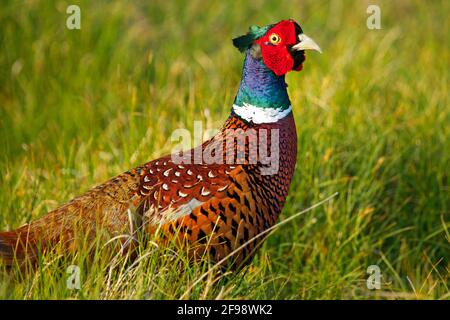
point(259, 115)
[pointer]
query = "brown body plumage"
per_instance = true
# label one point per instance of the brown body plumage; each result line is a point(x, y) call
point(234, 200)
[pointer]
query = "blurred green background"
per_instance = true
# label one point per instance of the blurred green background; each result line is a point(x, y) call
point(80, 106)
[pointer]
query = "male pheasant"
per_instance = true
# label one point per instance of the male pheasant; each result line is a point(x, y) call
point(215, 202)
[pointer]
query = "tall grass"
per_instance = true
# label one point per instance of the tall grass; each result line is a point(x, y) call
point(80, 106)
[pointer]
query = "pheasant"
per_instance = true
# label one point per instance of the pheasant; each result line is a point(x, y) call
point(217, 201)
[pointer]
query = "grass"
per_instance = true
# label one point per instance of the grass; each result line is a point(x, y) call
point(80, 106)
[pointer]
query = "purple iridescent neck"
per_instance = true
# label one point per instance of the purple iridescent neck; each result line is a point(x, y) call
point(260, 87)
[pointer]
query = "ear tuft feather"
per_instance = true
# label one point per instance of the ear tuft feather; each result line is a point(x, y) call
point(244, 42)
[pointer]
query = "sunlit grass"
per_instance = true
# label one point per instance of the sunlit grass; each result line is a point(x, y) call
point(78, 107)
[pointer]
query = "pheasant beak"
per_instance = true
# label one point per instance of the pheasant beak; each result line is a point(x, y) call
point(306, 43)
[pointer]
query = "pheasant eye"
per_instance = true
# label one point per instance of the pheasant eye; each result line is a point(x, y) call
point(274, 38)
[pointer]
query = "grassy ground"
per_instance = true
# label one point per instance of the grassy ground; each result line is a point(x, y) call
point(78, 107)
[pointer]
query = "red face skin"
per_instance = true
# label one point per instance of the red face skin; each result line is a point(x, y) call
point(274, 47)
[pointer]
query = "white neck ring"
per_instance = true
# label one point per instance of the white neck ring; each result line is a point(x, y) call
point(259, 115)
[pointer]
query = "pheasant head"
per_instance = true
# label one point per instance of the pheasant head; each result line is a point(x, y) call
point(280, 46)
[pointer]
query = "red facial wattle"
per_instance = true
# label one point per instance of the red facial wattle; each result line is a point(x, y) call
point(276, 54)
